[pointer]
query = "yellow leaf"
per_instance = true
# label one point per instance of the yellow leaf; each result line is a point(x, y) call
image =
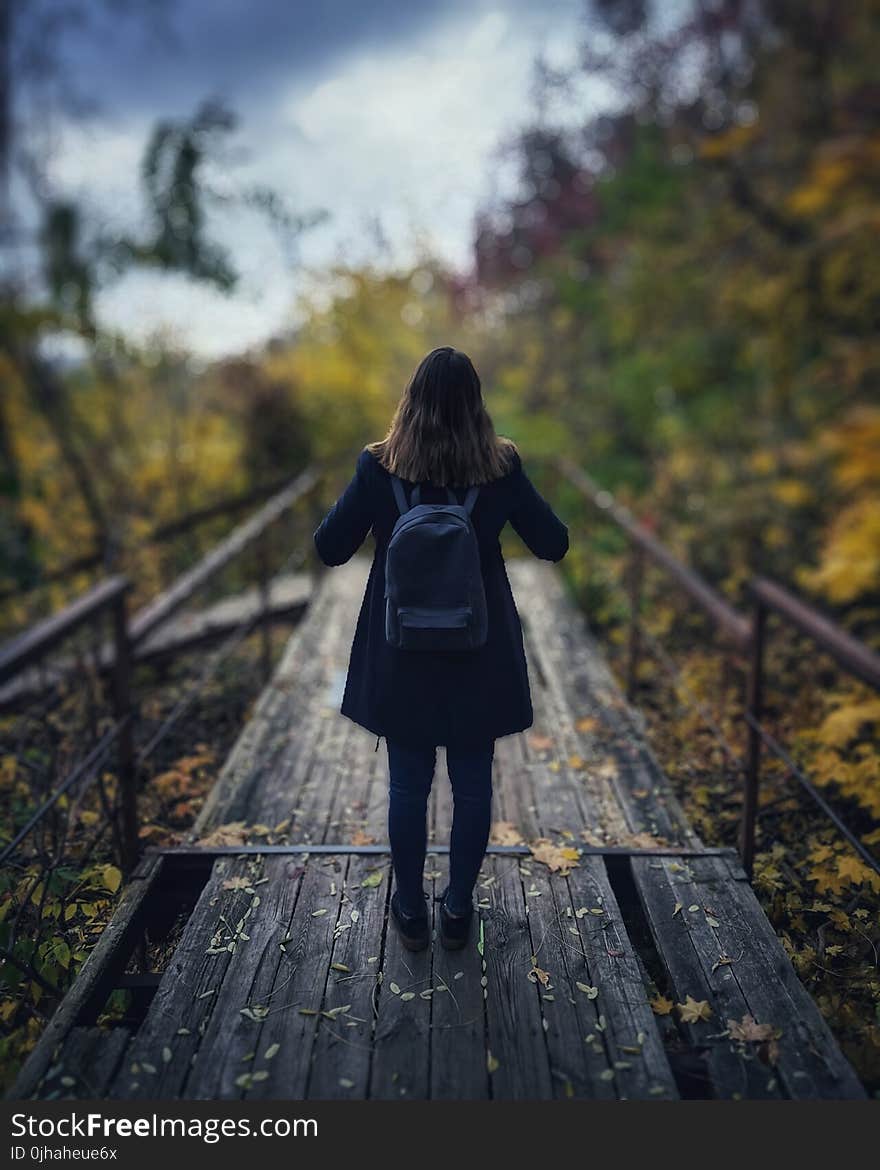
point(558, 858)
point(693, 1010)
point(846, 723)
point(588, 723)
point(660, 1005)
point(505, 833)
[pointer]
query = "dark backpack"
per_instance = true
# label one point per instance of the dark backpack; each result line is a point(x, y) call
point(434, 596)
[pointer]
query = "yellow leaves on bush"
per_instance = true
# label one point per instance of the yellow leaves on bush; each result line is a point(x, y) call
point(794, 493)
point(849, 562)
point(849, 722)
point(835, 870)
point(847, 756)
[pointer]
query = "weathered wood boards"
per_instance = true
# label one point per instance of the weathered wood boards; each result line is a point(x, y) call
point(289, 983)
point(718, 947)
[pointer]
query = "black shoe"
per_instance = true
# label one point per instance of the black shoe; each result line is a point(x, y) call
point(454, 928)
point(413, 929)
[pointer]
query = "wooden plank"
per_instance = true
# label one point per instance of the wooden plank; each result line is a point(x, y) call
point(514, 1022)
point(250, 984)
point(289, 597)
point(340, 1065)
point(810, 1064)
point(302, 990)
point(580, 1063)
point(87, 1063)
point(159, 1059)
point(583, 688)
point(609, 963)
point(401, 1068)
point(692, 956)
point(459, 1066)
point(161, 608)
point(37, 641)
point(263, 774)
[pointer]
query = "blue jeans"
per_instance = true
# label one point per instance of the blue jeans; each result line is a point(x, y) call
point(411, 773)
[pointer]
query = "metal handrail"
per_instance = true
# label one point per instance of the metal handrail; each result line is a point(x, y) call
point(748, 636)
point(111, 594)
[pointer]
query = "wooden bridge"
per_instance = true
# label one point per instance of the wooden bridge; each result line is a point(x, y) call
point(636, 964)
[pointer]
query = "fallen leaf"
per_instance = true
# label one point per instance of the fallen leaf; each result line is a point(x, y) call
point(232, 834)
point(557, 858)
point(536, 975)
point(505, 833)
point(693, 1010)
point(492, 1062)
point(373, 879)
point(541, 743)
point(749, 1030)
point(256, 1012)
point(660, 1005)
point(359, 837)
point(587, 723)
point(721, 961)
point(589, 992)
point(332, 1013)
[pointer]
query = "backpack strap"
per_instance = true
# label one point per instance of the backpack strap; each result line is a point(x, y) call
point(402, 506)
point(400, 495)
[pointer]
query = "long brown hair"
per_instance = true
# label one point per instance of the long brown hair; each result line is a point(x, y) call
point(441, 432)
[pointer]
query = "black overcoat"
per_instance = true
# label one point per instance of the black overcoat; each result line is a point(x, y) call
point(433, 698)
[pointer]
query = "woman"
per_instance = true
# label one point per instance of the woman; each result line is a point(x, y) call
point(441, 437)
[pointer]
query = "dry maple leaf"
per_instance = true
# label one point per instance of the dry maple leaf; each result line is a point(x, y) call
point(536, 975)
point(359, 837)
point(237, 883)
point(748, 1029)
point(588, 723)
point(505, 833)
point(541, 743)
point(232, 834)
point(660, 1005)
point(558, 858)
point(693, 1010)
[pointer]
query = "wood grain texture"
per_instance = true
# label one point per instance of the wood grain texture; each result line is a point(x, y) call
point(318, 999)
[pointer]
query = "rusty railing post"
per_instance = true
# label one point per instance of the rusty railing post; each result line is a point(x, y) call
point(264, 587)
point(635, 578)
point(754, 712)
point(122, 712)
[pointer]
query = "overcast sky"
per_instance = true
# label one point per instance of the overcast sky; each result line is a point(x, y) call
point(364, 108)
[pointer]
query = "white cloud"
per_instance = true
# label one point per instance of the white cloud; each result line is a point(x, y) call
point(407, 134)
